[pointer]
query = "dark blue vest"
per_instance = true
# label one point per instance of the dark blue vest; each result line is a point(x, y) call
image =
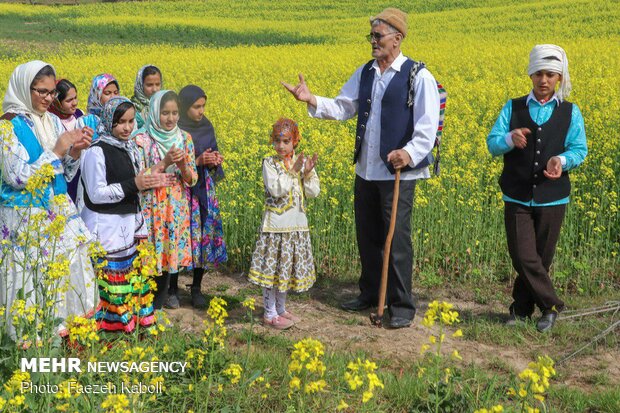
point(396, 115)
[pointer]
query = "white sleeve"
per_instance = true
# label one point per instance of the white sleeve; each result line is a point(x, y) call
point(278, 185)
point(311, 184)
point(94, 177)
point(425, 117)
point(14, 159)
point(342, 107)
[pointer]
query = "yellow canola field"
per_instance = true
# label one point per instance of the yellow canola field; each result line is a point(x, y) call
point(479, 54)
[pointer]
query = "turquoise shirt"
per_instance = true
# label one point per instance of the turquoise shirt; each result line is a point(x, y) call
point(499, 141)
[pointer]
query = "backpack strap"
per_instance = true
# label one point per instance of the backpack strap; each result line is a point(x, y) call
point(417, 66)
point(415, 69)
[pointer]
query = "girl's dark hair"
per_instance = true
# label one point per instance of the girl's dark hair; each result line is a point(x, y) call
point(150, 70)
point(44, 72)
point(63, 87)
point(120, 111)
point(168, 96)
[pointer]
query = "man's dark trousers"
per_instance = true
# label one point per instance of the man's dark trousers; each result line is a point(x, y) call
point(373, 208)
point(532, 234)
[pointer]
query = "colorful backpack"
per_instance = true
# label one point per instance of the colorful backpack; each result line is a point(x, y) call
point(443, 97)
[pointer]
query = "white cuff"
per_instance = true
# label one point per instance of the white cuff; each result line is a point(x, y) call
point(509, 141)
point(319, 110)
point(562, 161)
point(409, 150)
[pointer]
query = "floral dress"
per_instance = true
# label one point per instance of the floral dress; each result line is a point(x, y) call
point(167, 211)
point(207, 233)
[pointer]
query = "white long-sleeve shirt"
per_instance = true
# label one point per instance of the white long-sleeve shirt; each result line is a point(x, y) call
point(116, 232)
point(369, 165)
point(290, 189)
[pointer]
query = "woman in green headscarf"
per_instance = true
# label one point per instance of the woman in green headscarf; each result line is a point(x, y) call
point(166, 210)
point(149, 80)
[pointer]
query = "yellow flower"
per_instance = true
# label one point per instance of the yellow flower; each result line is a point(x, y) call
point(458, 333)
point(495, 409)
point(17, 400)
point(315, 386)
point(234, 373)
point(316, 366)
point(116, 403)
point(353, 380)
point(249, 303)
point(62, 407)
point(366, 396)
point(40, 179)
point(295, 383)
point(342, 405)
point(15, 382)
point(373, 381)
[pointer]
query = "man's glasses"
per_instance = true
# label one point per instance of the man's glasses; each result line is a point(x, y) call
point(44, 92)
point(377, 36)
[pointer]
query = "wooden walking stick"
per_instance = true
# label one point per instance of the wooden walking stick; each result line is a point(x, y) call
point(377, 319)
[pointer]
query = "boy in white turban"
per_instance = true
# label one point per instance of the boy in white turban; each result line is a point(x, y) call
point(542, 137)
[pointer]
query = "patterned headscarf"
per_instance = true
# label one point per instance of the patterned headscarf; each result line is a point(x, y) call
point(139, 98)
point(105, 131)
point(284, 126)
point(100, 82)
point(164, 139)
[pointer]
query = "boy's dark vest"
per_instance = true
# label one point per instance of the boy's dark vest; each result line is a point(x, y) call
point(118, 170)
point(396, 116)
point(522, 178)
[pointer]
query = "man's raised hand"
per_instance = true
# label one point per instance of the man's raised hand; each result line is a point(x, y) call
point(301, 91)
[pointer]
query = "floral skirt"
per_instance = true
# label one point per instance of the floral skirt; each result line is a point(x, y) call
point(208, 246)
point(125, 300)
point(283, 260)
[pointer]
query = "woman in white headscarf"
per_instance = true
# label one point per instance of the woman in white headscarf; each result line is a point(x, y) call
point(33, 141)
point(542, 137)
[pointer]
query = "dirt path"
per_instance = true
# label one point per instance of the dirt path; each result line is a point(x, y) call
point(337, 329)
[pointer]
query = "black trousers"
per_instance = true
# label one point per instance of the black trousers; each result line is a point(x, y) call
point(373, 207)
point(532, 234)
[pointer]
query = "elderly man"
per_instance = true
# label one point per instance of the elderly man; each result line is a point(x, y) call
point(392, 133)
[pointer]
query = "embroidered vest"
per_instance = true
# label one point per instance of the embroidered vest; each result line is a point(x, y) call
point(282, 204)
point(12, 197)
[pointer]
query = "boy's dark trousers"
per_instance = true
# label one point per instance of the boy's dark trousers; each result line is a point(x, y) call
point(373, 208)
point(532, 234)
